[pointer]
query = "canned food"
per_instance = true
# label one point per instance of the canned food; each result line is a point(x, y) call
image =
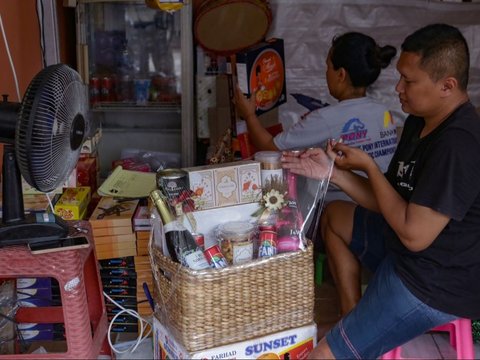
point(94, 90)
point(215, 257)
point(236, 241)
point(267, 242)
point(172, 182)
point(106, 89)
point(200, 240)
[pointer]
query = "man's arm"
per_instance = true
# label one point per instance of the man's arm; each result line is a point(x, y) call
point(417, 226)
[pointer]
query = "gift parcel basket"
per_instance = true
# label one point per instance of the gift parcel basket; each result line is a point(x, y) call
point(209, 308)
point(216, 306)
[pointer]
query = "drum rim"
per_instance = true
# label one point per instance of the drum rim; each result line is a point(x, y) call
point(212, 5)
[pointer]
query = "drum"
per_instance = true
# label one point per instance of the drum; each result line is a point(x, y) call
point(226, 27)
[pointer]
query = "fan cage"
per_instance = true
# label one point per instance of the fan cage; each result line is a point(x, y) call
point(54, 99)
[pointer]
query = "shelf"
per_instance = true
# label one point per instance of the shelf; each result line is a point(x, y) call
point(131, 106)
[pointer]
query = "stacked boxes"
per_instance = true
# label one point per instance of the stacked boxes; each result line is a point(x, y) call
point(39, 292)
point(119, 281)
point(144, 276)
point(111, 223)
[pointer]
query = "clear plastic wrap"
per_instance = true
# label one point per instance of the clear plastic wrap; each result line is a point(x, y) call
point(269, 292)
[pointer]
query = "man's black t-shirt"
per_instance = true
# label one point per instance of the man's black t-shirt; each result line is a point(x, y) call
point(442, 171)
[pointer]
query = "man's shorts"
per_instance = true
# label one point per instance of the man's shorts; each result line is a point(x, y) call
point(388, 314)
point(368, 242)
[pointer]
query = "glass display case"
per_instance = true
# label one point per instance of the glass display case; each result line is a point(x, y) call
point(137, 62)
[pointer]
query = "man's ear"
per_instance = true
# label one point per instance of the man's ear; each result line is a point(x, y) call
point(449, 84)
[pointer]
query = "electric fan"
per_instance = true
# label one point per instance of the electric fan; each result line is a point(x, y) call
point(43, 136)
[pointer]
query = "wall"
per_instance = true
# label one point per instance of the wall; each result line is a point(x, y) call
point(307, 27)
point(22, 31)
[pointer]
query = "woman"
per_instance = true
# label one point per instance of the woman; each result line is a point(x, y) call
point(354, 62)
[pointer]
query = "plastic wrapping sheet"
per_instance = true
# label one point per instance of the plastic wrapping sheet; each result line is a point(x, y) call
point(212, 307)
point(308, 26)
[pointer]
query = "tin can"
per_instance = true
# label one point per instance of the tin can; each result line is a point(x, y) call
point(215, 257)
point(200, 240)
point(94, 90)
point(172, 182)
point(267, 241)
point(106, 89)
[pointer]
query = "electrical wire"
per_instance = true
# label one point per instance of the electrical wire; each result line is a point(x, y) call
point(10, 59)
point(135, 314)
point(41, 21)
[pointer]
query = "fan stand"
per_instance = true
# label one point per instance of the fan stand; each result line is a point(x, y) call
point(18, 228)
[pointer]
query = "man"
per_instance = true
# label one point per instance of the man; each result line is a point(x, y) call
point(417, 227)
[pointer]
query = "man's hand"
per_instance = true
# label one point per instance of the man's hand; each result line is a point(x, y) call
point(314, 163)
point(350, 158)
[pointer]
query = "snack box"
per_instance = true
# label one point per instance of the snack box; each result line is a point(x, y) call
point(294, 343)
point(261, 71)
point(111, 212)
point(225, 184)
point(73, 203)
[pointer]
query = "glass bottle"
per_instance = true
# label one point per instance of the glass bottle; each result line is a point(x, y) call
point(180, 242)
point(290, 219)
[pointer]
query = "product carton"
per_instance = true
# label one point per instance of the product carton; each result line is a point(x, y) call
point(297, 343)
point(225, 184)
point(73, 203)
point(111, 212)
point(261, 71)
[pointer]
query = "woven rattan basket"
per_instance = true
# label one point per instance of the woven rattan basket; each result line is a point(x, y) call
point(209, 308)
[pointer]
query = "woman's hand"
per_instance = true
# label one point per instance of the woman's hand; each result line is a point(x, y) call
point(314, 163)
point(245, 107)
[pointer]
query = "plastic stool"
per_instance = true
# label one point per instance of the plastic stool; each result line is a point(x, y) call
point(83, 308)
point(460, 338)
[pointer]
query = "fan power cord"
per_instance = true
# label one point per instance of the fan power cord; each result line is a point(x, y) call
point(135, 314)
point(10, 59)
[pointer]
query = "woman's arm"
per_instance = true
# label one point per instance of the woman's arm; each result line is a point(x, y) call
point(260, 137)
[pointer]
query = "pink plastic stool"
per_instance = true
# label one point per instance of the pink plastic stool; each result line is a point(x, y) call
point(83, 309)
point(460, 338)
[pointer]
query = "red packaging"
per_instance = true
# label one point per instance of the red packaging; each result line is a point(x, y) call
point(200, 240)
point(106, 89)
point(215, 257)
point(94, 90)
point(87, 172)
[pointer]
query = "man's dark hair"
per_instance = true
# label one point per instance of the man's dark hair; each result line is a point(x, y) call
point(443, 51)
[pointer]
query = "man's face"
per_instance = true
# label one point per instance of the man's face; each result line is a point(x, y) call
point(418, 93)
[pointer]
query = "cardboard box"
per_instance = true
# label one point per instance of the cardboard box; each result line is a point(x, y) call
point(298, 343)
point(73, 203)
point(115, 253)
point(261, 71)
point(112, 231)
point(225, 184)
point(111, 212)
point(115, 239)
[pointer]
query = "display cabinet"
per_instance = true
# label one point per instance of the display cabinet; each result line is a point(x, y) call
point(138, 64)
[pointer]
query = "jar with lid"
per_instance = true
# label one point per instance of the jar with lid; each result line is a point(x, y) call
point(270, 167)
point(236, 241)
